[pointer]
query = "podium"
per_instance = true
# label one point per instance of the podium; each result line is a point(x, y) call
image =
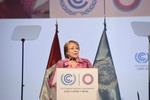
point(77, 84)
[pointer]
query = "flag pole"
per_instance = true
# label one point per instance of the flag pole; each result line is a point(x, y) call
point(56, 26)
point(104, 17)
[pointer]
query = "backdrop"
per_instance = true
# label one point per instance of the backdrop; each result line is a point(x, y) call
point(127, 51)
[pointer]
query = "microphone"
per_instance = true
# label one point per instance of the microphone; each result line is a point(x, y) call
point(72, 59)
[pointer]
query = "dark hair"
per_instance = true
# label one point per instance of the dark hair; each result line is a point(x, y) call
point(66, 47)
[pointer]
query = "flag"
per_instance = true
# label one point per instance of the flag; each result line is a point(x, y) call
point(55, 56)
point(108, 84)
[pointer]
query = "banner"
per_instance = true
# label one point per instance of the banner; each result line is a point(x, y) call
point(75, 8)
point(95, 8)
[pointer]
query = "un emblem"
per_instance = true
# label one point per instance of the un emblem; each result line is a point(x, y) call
point(106, 74)
point(82, 7)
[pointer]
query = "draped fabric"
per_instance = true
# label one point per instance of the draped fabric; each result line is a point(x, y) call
point(29, 5)
point(24, 9)
point(107, 79)
point(48, 93)
point(12, 9)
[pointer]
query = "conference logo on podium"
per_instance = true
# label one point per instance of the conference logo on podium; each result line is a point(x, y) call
point(87, 79)
point(77, 83)
point(70, 79)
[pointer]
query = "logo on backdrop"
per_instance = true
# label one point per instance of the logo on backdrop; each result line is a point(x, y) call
point(73, 7)
point(141, 57)
point(127, 7)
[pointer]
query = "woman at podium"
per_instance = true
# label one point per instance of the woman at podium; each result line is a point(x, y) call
point(72, 60)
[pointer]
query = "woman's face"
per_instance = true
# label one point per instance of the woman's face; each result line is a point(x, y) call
point(73, 50)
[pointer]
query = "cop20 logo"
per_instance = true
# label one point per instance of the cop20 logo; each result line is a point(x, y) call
point(68, 79)
point(87, 79)
point(141, 57)
point(132, 4)
point(73, 7)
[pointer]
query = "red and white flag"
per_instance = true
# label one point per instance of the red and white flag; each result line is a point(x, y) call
point(55, 56)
